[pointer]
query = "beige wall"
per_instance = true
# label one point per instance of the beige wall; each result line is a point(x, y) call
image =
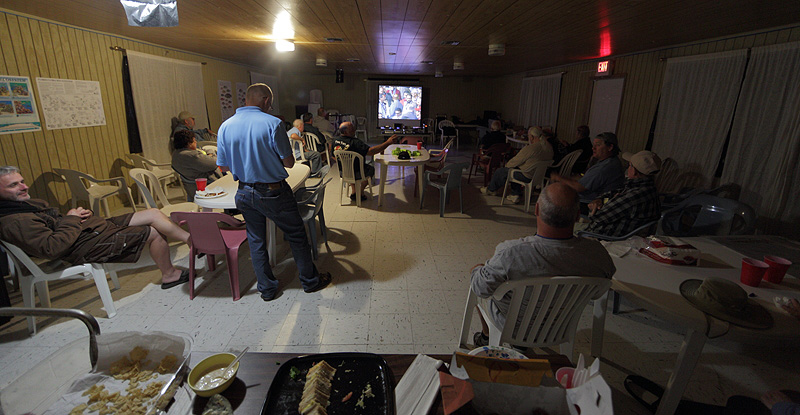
point(643, 73)
point(35, 48)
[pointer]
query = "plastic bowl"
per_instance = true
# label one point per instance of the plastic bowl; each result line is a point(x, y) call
point(213, 362)
point(497, 352)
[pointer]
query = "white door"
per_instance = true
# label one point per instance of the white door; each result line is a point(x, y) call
point(606, 102)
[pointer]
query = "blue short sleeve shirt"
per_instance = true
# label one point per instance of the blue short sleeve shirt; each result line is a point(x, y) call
point(253, 144)
point(605, 176)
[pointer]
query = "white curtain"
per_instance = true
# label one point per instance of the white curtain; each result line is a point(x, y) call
point(272, 83)
point(162, 88)
point(538, 102)
point(698, 98)
point(764, 148)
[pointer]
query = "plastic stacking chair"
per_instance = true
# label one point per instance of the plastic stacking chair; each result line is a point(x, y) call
point(39, 273)
point(164, 175)
point(85, 187)
point(548, 315)
point(142, 178)
point(565, 165)
point(538, 169)
point(297, 145)
point(310, 208)
point(450, 132)
point(434, 164)
point(205, 236)
point(349, 161)
point(452, 181)
point(489, 161)
point(361, 127)
point(708, 215)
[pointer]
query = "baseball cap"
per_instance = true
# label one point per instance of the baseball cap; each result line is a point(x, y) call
point(185, 115)
point(645, 162)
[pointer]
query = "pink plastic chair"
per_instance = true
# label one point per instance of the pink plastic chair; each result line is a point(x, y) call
point(207, 237)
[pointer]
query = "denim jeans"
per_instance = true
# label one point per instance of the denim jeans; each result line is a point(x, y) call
point(499, 180)
point(258, 205)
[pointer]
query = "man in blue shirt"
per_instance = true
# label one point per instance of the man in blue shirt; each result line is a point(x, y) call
point(254, 146)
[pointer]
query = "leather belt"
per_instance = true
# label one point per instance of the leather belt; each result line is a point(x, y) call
point(270, 186)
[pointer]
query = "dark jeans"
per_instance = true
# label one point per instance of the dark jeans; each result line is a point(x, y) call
point(257, 204)
point(499, 180)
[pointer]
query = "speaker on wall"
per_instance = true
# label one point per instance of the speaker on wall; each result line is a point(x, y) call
point(340, 76)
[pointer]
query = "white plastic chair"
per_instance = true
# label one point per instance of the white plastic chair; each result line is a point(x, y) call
point(552, 320)
point(313, 142)
point(565, 165)
point(442, 125)
point(85, 187)
point(164, 175)
point(346, 160)
point(39, 273)
point(298, 145)
point(361, 127)
point(538, 169)
point(144, 177)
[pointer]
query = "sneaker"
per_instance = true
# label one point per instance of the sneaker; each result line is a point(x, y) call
point(485, 190)
point(513, 198)
point(480, 340)
point(324, 280)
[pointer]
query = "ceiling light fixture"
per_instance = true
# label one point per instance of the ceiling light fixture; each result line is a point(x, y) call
point(334, 39)
point(497, 49)
point(427, 62)
point(450, 43)
point(322, 62)
point(282, 45)
point(458, 65)
point(392, 53)
point(353, 59)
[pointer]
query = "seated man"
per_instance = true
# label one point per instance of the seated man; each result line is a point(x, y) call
point(583, 143)
point(321, 122)
point(633, 205)
point(552, 251)
point(79, 237)
point(308, 127)
point(346, 141)
point(185, 121)
point(495, 136)
point(192, 163)
point(537, 150)
point(604, 176)
point(313, 157)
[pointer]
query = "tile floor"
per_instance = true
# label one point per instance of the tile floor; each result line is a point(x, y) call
point(400, 282)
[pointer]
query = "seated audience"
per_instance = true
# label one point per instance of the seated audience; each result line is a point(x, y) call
point(185, 121)
point(634, 205)
point(322, 123)
point(605, 175)
point(313, 157)
point(191, 163)
point(552, 251)
point(347, 141)
point(537, 150)
point(79, 237)
point(309, 127)
point(583, 143)
point(495, 136)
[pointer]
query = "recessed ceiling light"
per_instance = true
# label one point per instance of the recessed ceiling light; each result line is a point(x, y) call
point(451, 42)
point(353, 59)
point(284, 45)
point(334, 39)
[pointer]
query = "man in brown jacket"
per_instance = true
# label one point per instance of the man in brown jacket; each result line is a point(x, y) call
point(79, 237)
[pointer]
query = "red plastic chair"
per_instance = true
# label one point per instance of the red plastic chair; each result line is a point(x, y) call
point(489, 161)
point(208, 238)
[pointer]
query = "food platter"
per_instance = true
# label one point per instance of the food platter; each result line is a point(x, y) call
point(210, 193)
point(354, 371)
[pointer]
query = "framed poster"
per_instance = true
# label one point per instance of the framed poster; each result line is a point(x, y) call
point(70, 103)
point(17, 106)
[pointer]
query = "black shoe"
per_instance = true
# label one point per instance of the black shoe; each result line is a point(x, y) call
point(268, 297)
point(324, 280)
point(480, 340)
point(353, 197)
point(182, 280)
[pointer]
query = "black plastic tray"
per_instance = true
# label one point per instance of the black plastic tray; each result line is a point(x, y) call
point(353, 372)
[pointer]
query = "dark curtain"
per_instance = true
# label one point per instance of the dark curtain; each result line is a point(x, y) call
point(134, 140)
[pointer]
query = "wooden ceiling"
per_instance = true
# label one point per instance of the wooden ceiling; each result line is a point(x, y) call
point(396, 36)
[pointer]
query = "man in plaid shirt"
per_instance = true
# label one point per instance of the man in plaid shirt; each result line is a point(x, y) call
point(632, 206)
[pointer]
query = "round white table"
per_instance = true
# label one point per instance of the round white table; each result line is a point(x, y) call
point(387, 159)
point(297, 178)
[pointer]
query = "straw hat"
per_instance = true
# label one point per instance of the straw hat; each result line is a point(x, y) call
point(726, 301)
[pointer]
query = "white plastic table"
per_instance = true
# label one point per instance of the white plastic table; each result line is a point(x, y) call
point(387, 159)
point(297, 178)
point(655, 286)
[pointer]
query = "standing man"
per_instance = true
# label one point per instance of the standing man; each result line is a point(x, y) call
point(254, 146)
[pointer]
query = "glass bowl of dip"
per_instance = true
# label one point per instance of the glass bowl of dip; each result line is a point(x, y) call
point(201, 374)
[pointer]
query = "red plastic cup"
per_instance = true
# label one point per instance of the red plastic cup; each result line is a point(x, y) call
point(201, 184)
point(419, 145)
point(565, 371)
point(777, 268)
point(752, 271)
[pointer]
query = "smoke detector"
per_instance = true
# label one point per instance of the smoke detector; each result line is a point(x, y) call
point(497, 49)
point(458, 65)
point(322, 62)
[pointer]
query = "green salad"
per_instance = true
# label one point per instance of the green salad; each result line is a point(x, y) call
point(398, 150)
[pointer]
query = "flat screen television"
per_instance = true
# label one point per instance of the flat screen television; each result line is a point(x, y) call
point(398, 102)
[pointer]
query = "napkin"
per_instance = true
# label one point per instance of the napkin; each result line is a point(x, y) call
point(417, 390)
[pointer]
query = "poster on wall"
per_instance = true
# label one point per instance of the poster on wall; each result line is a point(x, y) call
point(70, 103)
point(17, 106)
point(225, 99)
point(241, 92)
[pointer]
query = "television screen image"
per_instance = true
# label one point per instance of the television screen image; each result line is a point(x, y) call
point(399, 102)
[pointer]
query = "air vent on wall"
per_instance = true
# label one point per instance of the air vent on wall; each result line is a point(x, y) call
point(450, 42)
point(334, 39)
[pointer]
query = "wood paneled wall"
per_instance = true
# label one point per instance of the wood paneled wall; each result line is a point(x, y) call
point(644, 74)
point(36, 48)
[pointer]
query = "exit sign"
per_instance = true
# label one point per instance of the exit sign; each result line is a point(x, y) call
point(604, 68)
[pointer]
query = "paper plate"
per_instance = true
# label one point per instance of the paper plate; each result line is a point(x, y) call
point(497, 352)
